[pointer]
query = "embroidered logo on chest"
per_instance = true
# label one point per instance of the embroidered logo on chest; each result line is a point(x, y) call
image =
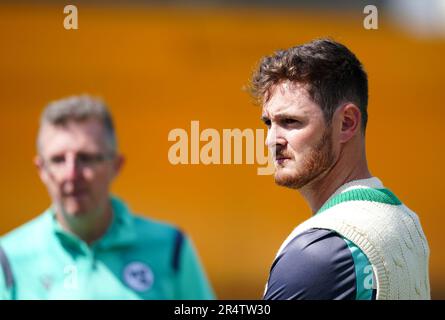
point(138, 276)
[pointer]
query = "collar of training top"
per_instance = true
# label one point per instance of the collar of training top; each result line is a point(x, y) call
point(121, 231)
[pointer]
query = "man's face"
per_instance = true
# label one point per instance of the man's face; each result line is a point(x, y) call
point(77, 166)
point(298, 137)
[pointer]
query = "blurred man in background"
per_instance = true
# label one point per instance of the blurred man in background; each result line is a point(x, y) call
point(88, 244)
point(362, 242)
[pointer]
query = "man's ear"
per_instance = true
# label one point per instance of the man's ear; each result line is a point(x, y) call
point(38, 162)
point(118, 164)
point(351, 118)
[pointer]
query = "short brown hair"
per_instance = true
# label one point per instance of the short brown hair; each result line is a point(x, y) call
point(331, 73)
point(79, 108)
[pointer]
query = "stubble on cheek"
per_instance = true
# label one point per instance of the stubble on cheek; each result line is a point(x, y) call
point(317, 161)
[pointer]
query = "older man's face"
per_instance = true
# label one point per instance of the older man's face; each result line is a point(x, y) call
point(297, 137)
point(77, 165)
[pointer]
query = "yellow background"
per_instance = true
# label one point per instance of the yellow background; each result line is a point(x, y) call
point(160, 68)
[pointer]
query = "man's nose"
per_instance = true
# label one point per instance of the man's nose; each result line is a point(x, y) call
point(275, 137)
point(72, 167)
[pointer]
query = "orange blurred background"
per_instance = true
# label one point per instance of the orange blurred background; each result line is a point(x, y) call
point(159, 68)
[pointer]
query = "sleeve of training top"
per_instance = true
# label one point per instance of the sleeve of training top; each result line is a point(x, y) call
point(192, 280)
point(316, 265)
point(5, 291)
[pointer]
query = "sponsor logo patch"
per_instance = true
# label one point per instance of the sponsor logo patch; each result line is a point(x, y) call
point(138, 276)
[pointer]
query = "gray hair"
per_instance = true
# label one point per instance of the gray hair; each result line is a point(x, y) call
point(78, 108)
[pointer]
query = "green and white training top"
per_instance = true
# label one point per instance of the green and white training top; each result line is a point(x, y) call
point(389, 234)
point(137, 258)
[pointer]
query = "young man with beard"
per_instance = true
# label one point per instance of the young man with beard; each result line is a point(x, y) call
point(88, 244)
point(362, 242)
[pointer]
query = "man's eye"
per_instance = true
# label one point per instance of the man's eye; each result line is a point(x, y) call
point(57, 159)
point(90, 158)
point(291, 121)
point(85, 158)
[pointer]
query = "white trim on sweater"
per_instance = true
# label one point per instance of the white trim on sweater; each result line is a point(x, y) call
point(390, 235)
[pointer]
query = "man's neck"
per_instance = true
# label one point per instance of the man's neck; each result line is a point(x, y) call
point(318, 192)
point(88, 227)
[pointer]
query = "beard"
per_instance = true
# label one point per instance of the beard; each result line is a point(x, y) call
point(319, 160)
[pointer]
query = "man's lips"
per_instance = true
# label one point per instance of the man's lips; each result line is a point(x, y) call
point(281, 159)
point(77, 193)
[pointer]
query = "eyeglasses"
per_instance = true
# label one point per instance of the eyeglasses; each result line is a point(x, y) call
point(82, 160)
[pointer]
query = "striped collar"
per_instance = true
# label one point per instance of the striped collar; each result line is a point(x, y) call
point(370, 189)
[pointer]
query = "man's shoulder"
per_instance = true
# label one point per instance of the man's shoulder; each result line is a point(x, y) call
point(29, 233)
point(153, 229)
point(146, 228)
point(317, 244)
point(27, 239)
point(316, 264)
